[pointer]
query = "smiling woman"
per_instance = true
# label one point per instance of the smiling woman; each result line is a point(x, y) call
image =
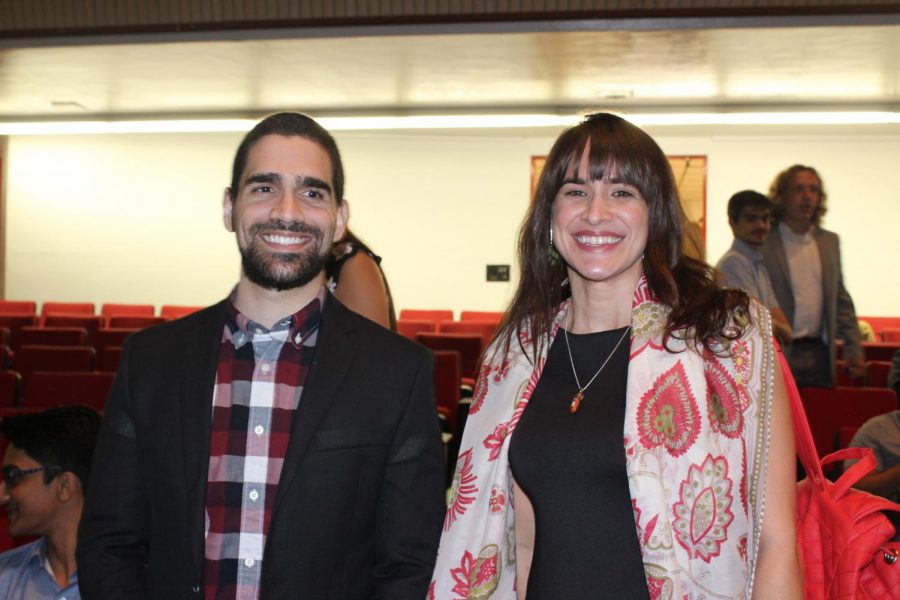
point(552, 499)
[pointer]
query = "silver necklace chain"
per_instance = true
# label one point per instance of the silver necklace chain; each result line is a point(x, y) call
point(600, 370)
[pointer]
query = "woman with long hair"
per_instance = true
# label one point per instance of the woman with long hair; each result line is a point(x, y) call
point(629, 435)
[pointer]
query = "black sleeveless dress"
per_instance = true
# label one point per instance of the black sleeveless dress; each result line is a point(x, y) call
point(572, 467)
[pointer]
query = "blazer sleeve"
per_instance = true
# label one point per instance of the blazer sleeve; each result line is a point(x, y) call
point(113, 534)
point(847, 325)
point(411, 506)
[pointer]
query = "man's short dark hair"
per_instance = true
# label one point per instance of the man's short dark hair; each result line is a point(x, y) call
point(290, 124)
point(746, 199)
point(62, 437)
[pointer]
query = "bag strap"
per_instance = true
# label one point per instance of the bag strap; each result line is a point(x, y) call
point(865, 463)
point(806, 448)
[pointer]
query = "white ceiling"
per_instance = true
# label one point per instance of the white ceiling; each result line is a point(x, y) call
point(850, 66)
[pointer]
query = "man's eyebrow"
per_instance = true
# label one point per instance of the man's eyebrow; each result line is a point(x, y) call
point(262, 178)
point(312, 182)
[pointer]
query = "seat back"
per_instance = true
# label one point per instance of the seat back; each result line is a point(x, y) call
point(408, 328)
point(879, 350)
point(829, 409)
point(890, 334)
point(51, 336)
point(110, 338)
point(18, 307)
point(44, 390)
point(67, 308)
point(843, 376)
point(15, 323)
point(468, 346)
point(108, 359)
point(128, 310)
point(485, 329)
point(437, 314)
point(173, 311)
point(29, 359)
point(134, 322)
point(481, 315)
point(876, 373)
point(10, 388)
point(446, 386)
point(90, 323)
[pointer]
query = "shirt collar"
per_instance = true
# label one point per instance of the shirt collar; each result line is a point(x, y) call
point(745, 249)
point(298, 326)
point(788, 234)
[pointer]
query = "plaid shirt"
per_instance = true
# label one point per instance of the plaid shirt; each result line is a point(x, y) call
point(259, 380)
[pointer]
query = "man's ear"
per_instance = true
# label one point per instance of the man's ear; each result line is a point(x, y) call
point(341, 219)
point(67, 486)
point(228, 209)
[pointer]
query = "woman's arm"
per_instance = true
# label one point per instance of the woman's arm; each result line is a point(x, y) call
point(524, 519)
point(361, 288)
point(778, 573)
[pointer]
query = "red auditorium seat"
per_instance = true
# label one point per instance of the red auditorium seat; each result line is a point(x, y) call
point(134, 322)
point(485, 329)
point(15, 323)
point(90, 323)
point(108, 359)
point(891, 334)
point(10, 388)
point(18, 307)
point(172, 311)
point(481, 315)
point(876, 373)
point(446, 386)
point(128, 310)
point(44, 390)
point(468, 346)
point(29, 359)
point(437, 315)
point(844, 378)
point(410, 327)
point(51, 336)
point(110, 338)
point(829, 409)
point(880, 350)
point(66, 308)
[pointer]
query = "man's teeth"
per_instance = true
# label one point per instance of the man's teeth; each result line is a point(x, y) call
point(597, 240)
point(282, 239)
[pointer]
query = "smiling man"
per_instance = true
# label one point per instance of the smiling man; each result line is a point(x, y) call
point(45, 469)
point(750, 218)
point(276, 444)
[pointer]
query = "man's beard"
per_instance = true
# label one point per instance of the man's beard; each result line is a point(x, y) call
point(282, 271)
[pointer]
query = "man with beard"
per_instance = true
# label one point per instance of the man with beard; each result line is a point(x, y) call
point(804, 262)
point(275, 444)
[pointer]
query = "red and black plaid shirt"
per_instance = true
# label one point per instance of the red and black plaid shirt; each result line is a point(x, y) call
point(259, 380)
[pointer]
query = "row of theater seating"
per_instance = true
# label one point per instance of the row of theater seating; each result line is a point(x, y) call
point(107, 310)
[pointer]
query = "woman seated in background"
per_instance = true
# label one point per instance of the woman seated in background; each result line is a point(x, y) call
point(355, 277)
point(613, 336)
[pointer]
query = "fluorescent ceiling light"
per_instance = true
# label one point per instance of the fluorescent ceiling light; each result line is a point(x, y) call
point(451, 122)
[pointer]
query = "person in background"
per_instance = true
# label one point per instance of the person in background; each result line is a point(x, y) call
point(45, 472)
point(750, 218)
point(882, 435)
point(629, 435)
point(274, 445)
point(804, 264)
point(354, 276)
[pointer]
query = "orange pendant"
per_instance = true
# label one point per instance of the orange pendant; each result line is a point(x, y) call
point(576, 402)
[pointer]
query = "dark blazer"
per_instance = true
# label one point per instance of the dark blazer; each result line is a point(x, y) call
point(360, 501)
point(840, 316)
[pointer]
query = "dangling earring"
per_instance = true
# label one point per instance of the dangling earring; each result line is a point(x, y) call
point(552, 254)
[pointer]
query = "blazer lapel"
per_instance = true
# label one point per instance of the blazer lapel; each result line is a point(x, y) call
point(197, 380)
point(333, 361)
point(775, 260)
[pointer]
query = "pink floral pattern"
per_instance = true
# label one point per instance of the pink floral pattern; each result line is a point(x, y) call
point(703, 511)
point(723, 400)
point(497, 501)
point(668, 414)
point(494, 441)
point(463, 490)
point(476, 578)
point(481, 387)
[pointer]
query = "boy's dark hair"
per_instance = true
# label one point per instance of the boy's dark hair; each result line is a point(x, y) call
point(62, 437)
point(745, 199)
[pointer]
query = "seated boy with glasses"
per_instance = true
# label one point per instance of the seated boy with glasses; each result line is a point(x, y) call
point(45, 471)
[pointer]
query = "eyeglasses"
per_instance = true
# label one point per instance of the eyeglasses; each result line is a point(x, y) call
point(13, 475)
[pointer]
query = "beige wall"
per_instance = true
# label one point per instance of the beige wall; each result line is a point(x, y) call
point(136, 218)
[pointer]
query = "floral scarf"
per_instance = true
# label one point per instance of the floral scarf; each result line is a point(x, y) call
point(695, 440)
